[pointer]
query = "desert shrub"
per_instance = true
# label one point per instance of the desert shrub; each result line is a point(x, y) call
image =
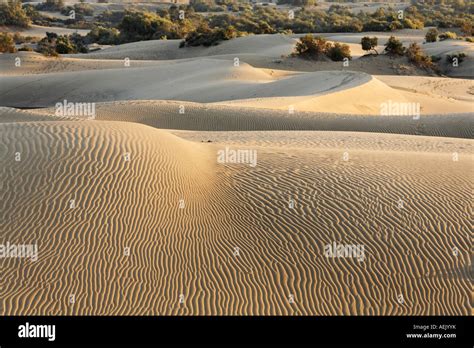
point(32, 13)
point(80, 10)
point(377, 25)
point(459, 56)
point(64, 45)
point(394, 46)
point(299, 2)
point(137, 26)
point(206, 37)
point(47, 45)
point(54, 44)
point(25, 48)
point(19, 39)
point(111, 17)
point(142, 25)
point(469, 39)
point(448, 35)
point(369, 43)
point(395, 25)
point(431, 35)
point(467, 28)
point(206, 6)
point(417, 57)
point(311, 47)
point(7, 43)
point(338, 51)
point(413, 23)
point(51, 5)
point(78, 42)
point(104, 36)
point(317, 47)
point(12, 13)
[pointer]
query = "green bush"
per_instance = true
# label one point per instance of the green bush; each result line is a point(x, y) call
point(47, 45)
point(7, 43)
point(104, 36)
point(467, 28)
point(138, 26)
point(206, 37)
point(51, 5)
point(377, 25)
point(54, 44)
point(25, 48)
point(448, 35)
point(369, 43)
point(338, 52)
point(417, 57)
point(431, 35)
point(12, 13)
point(394, 47)
point(317, 47)
point(311, 47)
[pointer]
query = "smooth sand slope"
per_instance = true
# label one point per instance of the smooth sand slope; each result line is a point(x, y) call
point(211, 80)
point(36, 63)
point(439, 87)
point(258, 45)
point(190, 250)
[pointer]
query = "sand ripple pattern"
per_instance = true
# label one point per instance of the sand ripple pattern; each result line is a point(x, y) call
point(212, 117)
point(183, 261)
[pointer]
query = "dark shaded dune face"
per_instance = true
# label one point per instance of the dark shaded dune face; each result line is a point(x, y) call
point(233, 245)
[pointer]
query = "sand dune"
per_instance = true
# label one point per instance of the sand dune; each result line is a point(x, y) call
point(36, 63)
point(209, 81)
point(213, 117)
point(452, 47)
point(8, 115)
point(261, 45)
point(439, 87)
point(266, 45)
point(189, 251)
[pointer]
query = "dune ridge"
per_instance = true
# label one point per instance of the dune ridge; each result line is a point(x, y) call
point(218, 81)
point(216, 117)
